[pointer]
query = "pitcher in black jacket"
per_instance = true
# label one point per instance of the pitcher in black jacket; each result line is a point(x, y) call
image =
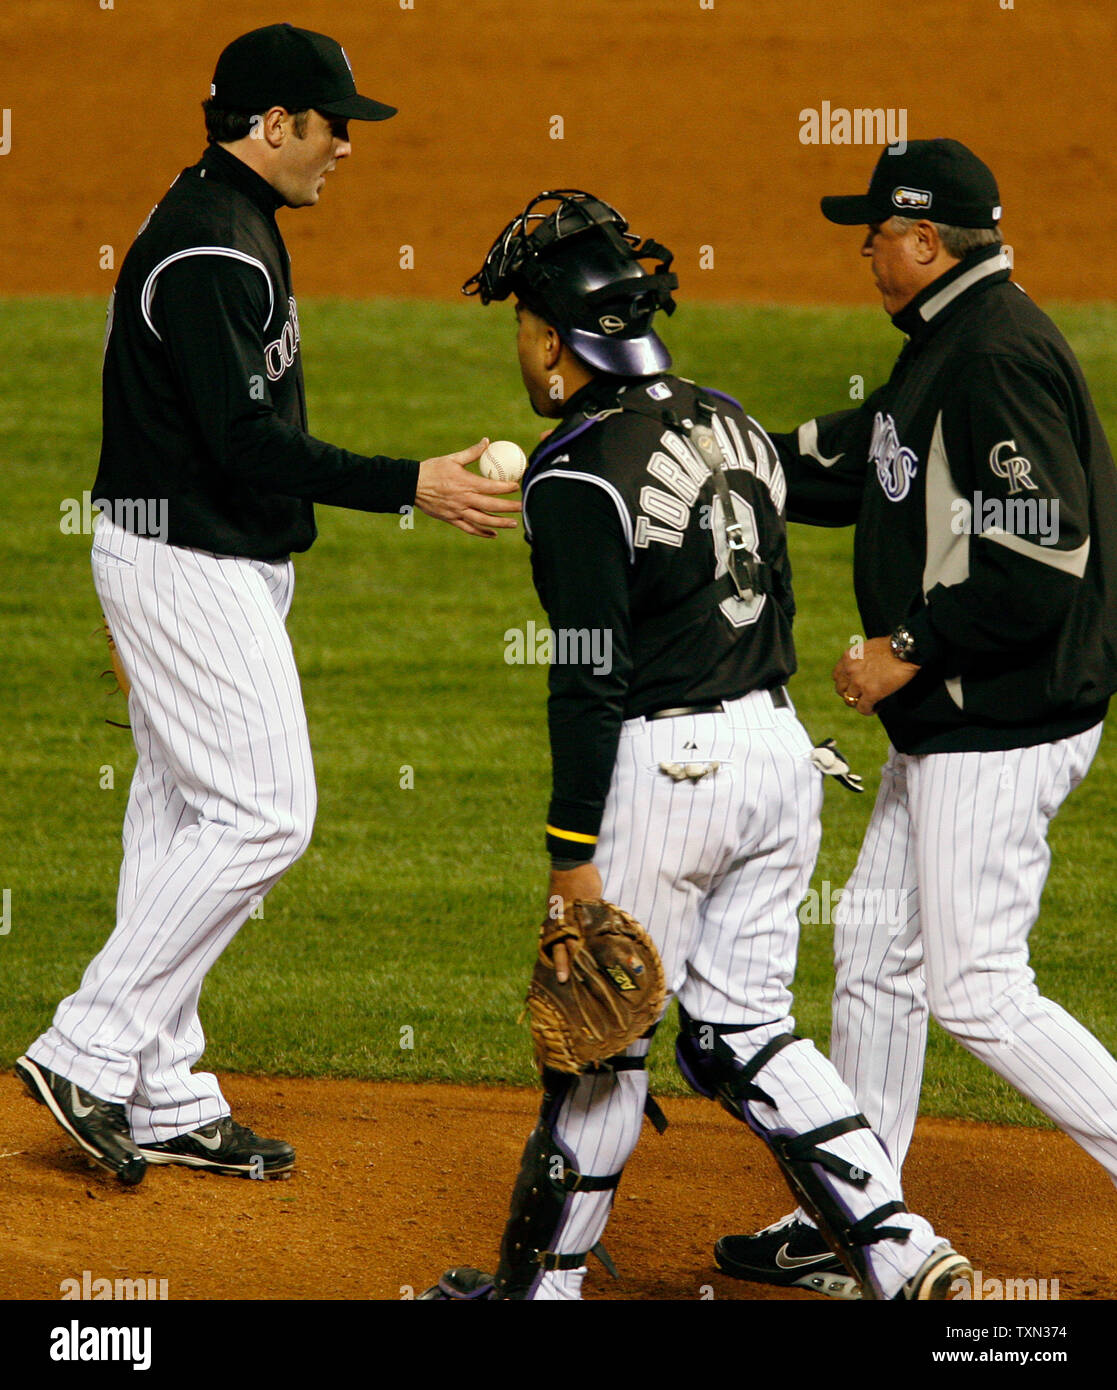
point(985, 568)
point(207, 483)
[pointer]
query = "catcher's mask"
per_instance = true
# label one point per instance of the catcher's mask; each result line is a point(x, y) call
point(577, 265)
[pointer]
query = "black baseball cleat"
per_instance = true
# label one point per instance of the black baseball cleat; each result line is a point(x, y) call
point(789, 1253)
point(99, 1126)
point(461, 1285)
point(228, 1148)
point(941, 1276)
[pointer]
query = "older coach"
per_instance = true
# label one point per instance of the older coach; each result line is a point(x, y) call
point(204, 410)
point(985, 569)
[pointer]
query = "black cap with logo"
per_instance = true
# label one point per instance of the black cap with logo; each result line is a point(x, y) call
point(298, 69)
point(940, 180)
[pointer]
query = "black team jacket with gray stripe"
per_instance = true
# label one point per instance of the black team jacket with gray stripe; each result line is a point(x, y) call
point(204, 406)
point(985, 501)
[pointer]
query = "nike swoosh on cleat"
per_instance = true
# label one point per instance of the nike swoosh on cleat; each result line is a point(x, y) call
point(81, 1111)
point(786, 1261)
point(212, 1144)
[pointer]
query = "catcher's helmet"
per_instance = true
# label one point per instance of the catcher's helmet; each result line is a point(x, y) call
point(578, 266)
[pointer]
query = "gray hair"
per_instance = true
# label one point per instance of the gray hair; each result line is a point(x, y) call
point(957, 241)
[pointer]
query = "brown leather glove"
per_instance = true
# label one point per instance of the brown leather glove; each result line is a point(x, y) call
point(615, 992)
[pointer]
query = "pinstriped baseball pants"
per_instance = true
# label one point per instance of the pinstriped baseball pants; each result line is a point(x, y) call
point(961, 839)
point(715, 871)
point(221, 804)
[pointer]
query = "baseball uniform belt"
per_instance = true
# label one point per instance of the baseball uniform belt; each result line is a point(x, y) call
point(779, 701)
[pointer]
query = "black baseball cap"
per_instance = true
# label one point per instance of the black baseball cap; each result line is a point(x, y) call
point(298, 69)
point(940, 180)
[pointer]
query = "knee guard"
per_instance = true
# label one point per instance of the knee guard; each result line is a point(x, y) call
point(710, 1066)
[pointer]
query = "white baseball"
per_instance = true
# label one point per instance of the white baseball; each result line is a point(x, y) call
point(503, 460)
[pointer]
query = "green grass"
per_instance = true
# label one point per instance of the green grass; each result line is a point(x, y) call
point(415, 909)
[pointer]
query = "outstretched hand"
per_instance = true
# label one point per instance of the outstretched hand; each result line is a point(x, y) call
point(448, 491)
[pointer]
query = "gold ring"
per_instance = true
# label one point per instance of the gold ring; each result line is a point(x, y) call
point(851, 699)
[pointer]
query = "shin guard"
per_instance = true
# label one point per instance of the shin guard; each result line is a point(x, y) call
point(712, 1068)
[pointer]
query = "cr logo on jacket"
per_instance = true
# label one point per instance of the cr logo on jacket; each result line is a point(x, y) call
point(1016, 469)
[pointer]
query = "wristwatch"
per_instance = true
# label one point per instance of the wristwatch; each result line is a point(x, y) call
point(903, 645)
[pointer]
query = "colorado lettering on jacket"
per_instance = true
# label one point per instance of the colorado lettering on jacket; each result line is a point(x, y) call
point(280, 354)
point(680, 472)
point(895, 464)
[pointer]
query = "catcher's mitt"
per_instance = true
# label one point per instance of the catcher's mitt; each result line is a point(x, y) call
point(614, 993)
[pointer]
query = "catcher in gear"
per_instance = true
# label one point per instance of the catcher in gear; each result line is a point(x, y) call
point(683, 786)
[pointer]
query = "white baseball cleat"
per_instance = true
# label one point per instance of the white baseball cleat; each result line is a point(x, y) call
point(935, 1277)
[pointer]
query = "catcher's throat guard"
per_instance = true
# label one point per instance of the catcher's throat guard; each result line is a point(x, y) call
point(570, 258)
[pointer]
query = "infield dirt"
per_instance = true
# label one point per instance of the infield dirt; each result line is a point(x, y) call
point(396, 1183)
point(686, 116)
